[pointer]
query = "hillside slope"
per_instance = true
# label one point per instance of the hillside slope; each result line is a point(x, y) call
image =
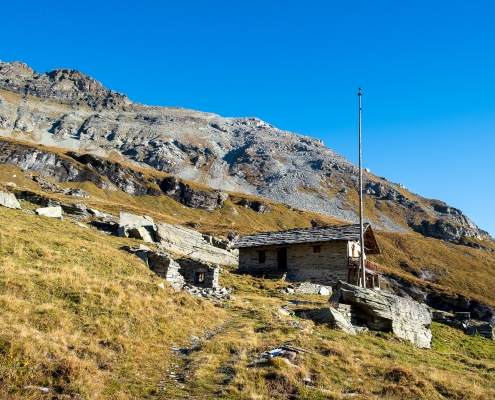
point(84, 320)
point(68, 109)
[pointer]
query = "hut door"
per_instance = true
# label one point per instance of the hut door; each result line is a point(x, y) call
point(282, 258)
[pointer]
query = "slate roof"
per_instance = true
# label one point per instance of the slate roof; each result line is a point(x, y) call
point(311, 235)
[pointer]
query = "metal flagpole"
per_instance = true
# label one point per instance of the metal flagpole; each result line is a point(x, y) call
point(361, 226)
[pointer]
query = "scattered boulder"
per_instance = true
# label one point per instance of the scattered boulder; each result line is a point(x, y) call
point(311, 288)
point(103, 216)
point(285, 311)
point(52, 212)
point(217, 242)
point(258, 206)
point(80, 225)
point(459, 320)
point(324, 291)
point(47, 185)
point(36, 198)
point(233, 237)
point(329, 315)
point(218, 293)
point(9, 200)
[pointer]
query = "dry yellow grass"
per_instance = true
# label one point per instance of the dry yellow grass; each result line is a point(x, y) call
point(87, 320)
point(81, 317)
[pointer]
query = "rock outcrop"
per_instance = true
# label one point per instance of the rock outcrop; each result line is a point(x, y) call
point(105, 174)
point(331, 316)
point(137, 227)
point(441, 301)
point(383, 311)
point(205, 199)
point(180, 240)
point(485, 330)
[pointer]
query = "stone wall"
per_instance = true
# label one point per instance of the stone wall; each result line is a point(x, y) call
point(198, 273)
point(328, 266)
point(166, 267)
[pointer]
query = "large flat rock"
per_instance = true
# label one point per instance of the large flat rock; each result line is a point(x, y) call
point(52, 212)
point(180, 240)
point(384, 311)
point(139, 227)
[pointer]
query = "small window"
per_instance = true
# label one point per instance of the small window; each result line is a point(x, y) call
point(199, 278)
point(261, 256)
point(316, 249)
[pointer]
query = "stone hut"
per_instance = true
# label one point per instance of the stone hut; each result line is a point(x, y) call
point(322, 255)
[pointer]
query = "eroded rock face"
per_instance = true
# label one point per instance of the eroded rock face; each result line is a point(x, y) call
point(63, 84)
point(183, 193)
point(383, 311)
point(105, 174)
point(124, 178)
point(49, 164)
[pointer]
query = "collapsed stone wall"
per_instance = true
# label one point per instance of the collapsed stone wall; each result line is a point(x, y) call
point(198, 273)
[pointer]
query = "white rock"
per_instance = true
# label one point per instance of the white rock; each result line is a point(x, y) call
point(324, 291)
point(9, 200)
point(52, 212)
point(283, 312)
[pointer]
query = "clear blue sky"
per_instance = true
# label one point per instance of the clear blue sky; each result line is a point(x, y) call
point(427, 69)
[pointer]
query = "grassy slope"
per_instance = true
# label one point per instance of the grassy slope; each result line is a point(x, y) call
point(80, 316)
point(90, 321)
point(83, 318)
point(372, 365)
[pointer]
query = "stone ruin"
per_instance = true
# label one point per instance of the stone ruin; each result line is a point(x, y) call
point(198, 273)
point(198, 278)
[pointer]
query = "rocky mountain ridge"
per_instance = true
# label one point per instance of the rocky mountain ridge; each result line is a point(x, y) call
point(68, 109)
